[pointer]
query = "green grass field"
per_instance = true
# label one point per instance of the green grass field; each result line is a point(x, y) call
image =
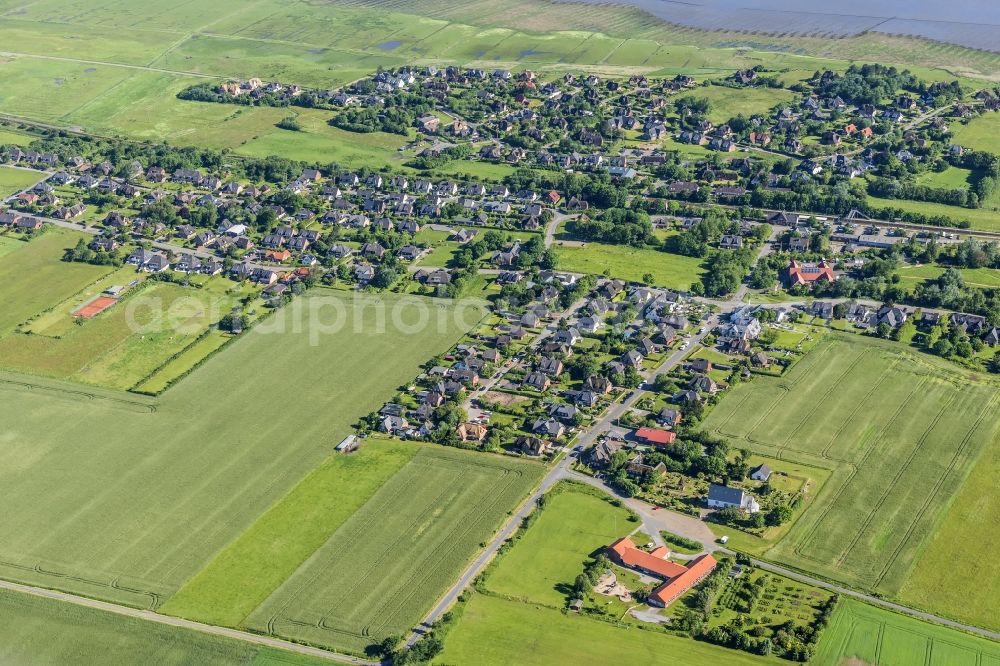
point(574, 524)
point(387, 564)
point(126, 498)
point(729, 102)
point(982, 133)
point(44, 632)
point(34, 279)
point(126, 343)
point(14, 180)
point(860, 634)
point(901, 433)
point(628, 263)
point(977, 277)
point(496, 632)
point(12, 137)
point(65, 66)
point(957, 545)
point(950, 178)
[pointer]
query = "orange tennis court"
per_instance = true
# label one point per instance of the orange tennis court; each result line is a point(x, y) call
point(95, 307)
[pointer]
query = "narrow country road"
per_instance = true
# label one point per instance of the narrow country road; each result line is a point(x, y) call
point(558, 473)
point(151, 616)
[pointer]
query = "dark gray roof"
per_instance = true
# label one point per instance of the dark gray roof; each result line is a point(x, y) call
point(725, 494)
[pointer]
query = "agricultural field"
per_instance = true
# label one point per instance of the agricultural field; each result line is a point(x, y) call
point(491, 631)
point(160, 487)
point(14, 180)
point(673, 271)
point(958, 544)
point(894, 471)
point(575, 523)
point(242, 576)
point(35, 279)
point(386, 565)
point(42, 632)
point(76, 51)
point(862, 634)
point(128, 342)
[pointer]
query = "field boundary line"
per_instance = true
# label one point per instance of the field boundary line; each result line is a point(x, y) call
point(106, 63)
point(151, 616)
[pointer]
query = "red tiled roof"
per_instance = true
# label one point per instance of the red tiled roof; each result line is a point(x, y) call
point(693, 573)
point(678, 578)
point(655, 435)
point(802, 273)
point(631, 556)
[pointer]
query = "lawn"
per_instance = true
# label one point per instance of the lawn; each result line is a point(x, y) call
point(496, 632)
point(14, 180)
point(901, 433)
point(628, 263)
point(43, 631)
point(862, 634)
point(320, 142)
point(126, 499)
point(952, 178)
point(981, 133)
point(977, 277)
point(386, 565)
point(34, 279)
point(729, 102)
point(11, 137)
point(574, 524)
point(126, 343)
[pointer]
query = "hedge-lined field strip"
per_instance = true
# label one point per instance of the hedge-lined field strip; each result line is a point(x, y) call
point(102, 500)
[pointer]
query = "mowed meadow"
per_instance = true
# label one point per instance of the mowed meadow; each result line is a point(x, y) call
point(126, 499)
point(901, 432)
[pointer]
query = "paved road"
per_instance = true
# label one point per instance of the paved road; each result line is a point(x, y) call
point(550, 228)
point(151, 616)
point(555, 475)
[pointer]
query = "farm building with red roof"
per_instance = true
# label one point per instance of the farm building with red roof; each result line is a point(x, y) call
point(678, 578)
